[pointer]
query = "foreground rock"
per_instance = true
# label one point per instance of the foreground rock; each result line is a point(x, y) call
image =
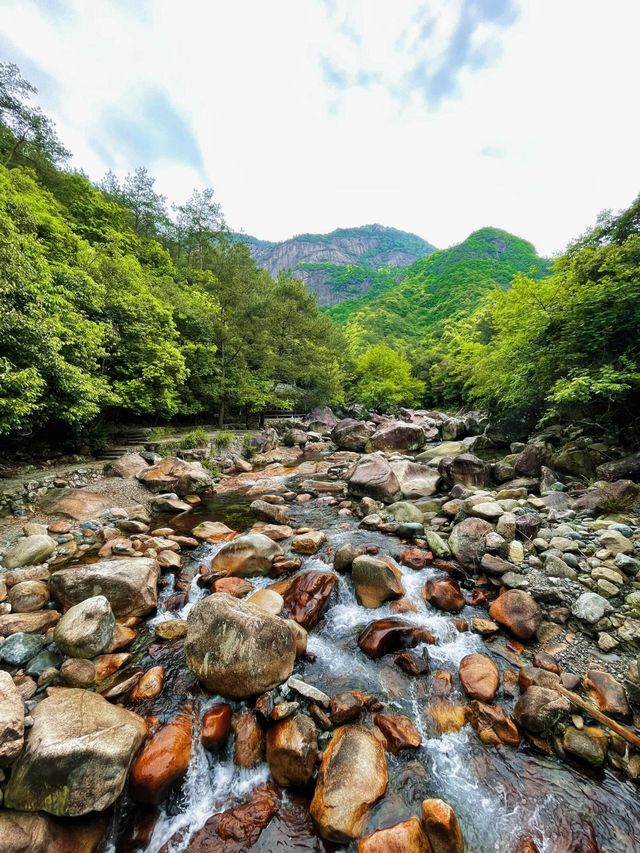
point(467, 541)
point(291, 750)
point(479, 677)
point(236, 649)
point(239, 828)
point(130, 586)
point(397, 435)
point(376, 579)
point(176, 475)
point(24, 832)
point(405, 837)
point(86, 629)
point(11, 720)
point(77, 756)
point(441, 826)
point(373, 477)
point(383, 636)
point(349, 434)
point(352, 777)
point(163, 761)
point(307, 596)
point(247, 556)
point(518, 611)
point(29, 551)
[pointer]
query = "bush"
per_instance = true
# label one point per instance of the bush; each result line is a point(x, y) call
point(224, 438)
point(198, 437)
point(248, 448)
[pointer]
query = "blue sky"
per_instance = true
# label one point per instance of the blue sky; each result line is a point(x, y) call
point(438, 117)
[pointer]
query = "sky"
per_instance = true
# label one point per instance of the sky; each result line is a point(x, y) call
point(437, 117)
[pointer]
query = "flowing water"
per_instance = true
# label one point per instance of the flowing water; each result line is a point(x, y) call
point(500, 794)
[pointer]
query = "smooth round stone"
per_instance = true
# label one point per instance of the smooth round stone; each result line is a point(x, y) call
point(19, 648)
point(410, 530)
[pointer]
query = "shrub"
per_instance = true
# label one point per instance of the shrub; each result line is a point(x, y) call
point(198, 437)
point(224, 438)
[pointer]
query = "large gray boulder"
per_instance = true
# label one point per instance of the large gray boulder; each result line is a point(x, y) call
point(416, 480)
point(373, 477)
point(86, 629)
point(237, 650)
point(397, 435)
point(350, 434)
point(176, 475)
point(127, 466)
point(467, 541)
point(130, 586)
point(30, 551)
point(465, 469)
point(77, 755)
point(246, 556)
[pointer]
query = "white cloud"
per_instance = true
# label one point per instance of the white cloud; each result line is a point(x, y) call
point(536, 142)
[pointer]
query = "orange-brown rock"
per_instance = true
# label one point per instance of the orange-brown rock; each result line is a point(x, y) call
point(479, 676)
point(29, 623)
point(292, 748)
point(416, 558)
point(376, 580)
point(399, 732)
point(106, 665)
point(122, 638)
point(412, 663)
point(383, 636)
point(444, 594)
point(216, 726)
point(543, 660)
point(492, 725)
point(608, 694)
point(346, 707)
point(248, 747)
point(237, 587)
point(238, 829)
point(352, 777)
point(163, 761)
point(404, 837)
point(307, 596)
point(517, 611)
point(441, 826)
point(150, 685)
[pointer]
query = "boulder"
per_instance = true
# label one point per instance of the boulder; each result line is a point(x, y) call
point(19, 648)
point(236, 649)
point(216, 726)
point(292, 749)
point(163, 761)
point(129, 585)
point(127, 467)
point(588, 743)
point(399, 732)
point(608, 694)
point(453, 428)
point(373, 477)
point(270, 512)
point(352, 777)
point(444, 594)
point(627, 468)
point(322, 415)
point(467, 541)
point(169, 502)
point(295, 438)
point(479, 676)
point(492, 725)
point(466, 470)
point(29, 551)
point(397, 435)
point(239, 828)
point(404, 837)
point(309, 543)
point(246, 556)
point(540, 708)
point(77, 672)
point(77, 756)
point(529, 462)
point(376, 579)
point(392, 634)
point(79, 504)
point(307, 596)
point(248, 744)
point(349, 434)
point(11, 721)
point(25, 832)
point(176, 475)
point(27, 596)
point(213, 532)
point(416, 480)
point(86, 629)
point(27, 623)
point(517, 611)
point(441, 827)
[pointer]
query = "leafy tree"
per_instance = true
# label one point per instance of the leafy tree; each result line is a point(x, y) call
point(199, 221)
point(137, 193)
point(384, 379)
point(27, 134)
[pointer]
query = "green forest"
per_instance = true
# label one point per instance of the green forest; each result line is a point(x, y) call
point(116, 306)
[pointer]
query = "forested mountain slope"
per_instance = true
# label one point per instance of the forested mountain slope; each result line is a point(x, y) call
point(345, 263)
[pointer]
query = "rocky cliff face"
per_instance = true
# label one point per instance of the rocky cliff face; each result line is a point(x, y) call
point(341, 264)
